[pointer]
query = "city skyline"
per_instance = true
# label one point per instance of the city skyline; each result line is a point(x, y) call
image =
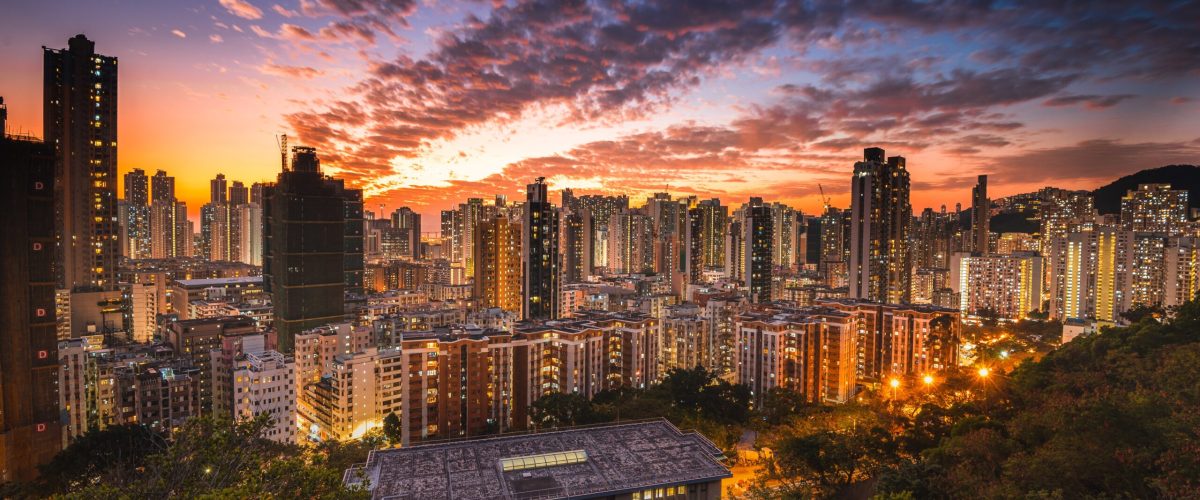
point(619, 228)
point(752, 95)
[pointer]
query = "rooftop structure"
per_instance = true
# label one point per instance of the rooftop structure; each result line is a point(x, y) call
point(586, 462)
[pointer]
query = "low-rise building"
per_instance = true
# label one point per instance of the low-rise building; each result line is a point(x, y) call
point(634, 461)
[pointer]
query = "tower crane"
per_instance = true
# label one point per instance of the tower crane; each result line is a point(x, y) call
point(281, 141)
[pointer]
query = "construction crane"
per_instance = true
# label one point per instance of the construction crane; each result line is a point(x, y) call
point(824, 198)
point(281, 141)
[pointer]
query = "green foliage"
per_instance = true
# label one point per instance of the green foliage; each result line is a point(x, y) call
point(207, 458)
point(1112, 415)
point(780, 404)
point(97, 456)
point(392, 429)
point(1142, 311)
point(694, 399)
point(554, 410)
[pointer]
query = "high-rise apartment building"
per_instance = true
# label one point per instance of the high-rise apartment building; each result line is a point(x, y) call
point(136, 222)
point(540, 254)
point(759, 250)
point(981, 216)
point(810, 352)
point(713, 222)
point(630, 242)
point(577, 242)
point(498, 253)
point(1008, 285)
point(788, 236)
point(408, 223)
point(168, 219)
point(80, 122)
point(880, 263)
point(1155, 208)
point(218, 190)
point(29, 411)
point(834, 254)
point(312, 247)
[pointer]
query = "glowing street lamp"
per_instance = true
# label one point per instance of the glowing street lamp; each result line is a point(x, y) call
point(895, 383)
point(928, 380)
point(984, 372)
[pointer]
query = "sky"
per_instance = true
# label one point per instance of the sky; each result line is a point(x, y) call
point(424, 104)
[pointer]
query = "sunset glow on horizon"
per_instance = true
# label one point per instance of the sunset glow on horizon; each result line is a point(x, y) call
point(425, 104)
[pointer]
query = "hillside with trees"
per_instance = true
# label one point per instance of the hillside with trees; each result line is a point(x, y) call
point(1108, 197)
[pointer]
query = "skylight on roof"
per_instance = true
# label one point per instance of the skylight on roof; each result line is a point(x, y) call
point(544, 460)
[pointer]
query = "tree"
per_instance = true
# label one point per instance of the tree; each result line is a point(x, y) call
point(1116, 414)
point(392, 429)
point(97, 456)
point(779, 404)
point(1143, 311)
point(827, 461)
point(219, 459)
point(988, 316)
point(698, 390)
point(558, 409)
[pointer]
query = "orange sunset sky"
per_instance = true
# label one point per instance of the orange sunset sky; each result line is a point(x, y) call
point(424, 103)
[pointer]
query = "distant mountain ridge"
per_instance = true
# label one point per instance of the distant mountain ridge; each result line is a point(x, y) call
point(1108, 197)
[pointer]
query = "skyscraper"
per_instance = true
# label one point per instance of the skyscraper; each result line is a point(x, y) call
point(218, 190)
point(760, 245)
point(239, 194)
point(714, 220)
point(29, 414)
point(834, 232)
point(137, 215)
point(540, 238)
point(312, 254)
point(577, 244)
point(497, 250)
point(981, 216)
point(80, 123)
point(1155, 208)
point(880, 216)
point(408, 222)
point(164, 237)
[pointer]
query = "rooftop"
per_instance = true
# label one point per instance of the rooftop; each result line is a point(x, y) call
point(577, 462)
point(207, 282)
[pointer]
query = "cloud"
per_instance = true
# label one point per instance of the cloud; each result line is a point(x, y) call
point(284, 11)
point(242, 9)
point(1089, 101)
point(1099, 159)
point(179, 33)
point(215, 38)
point(304, 72)
point(261, 32)
point(385, 10)
point(905, 74)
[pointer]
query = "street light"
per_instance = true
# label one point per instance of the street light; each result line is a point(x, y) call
point(895, 383)
point(984, 372)
point(928, 380)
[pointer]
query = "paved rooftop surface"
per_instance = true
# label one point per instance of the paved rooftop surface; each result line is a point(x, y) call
point(619, 458)
point(205, 282)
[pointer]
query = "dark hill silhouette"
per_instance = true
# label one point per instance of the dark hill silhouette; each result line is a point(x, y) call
point(1108, 198)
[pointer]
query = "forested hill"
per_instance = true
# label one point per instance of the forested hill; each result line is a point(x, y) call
point(1108, 198)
